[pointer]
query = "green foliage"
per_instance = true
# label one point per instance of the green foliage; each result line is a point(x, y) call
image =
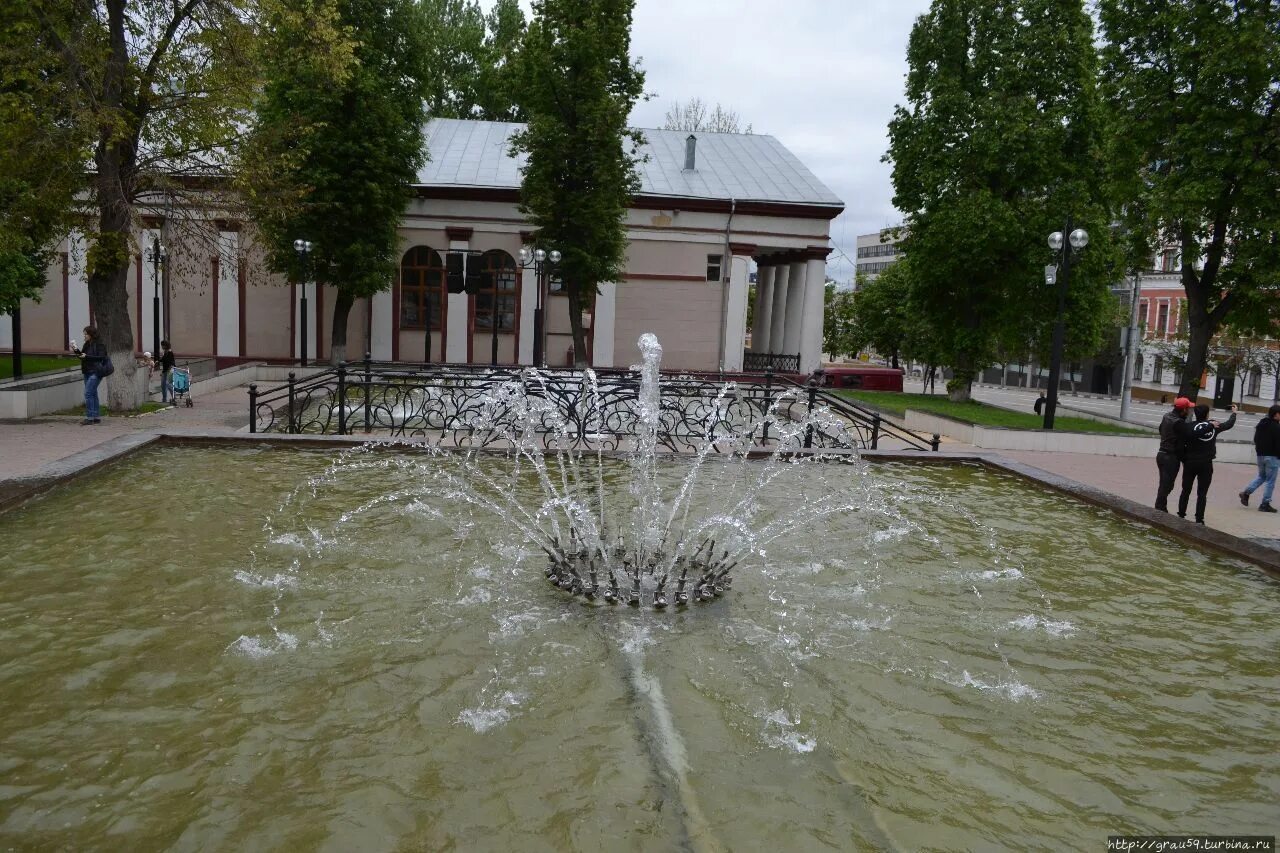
point(1000, 140)
point(42, 146)
point(109, 252)
point(1194, 86)
point(337, 140)
point(838, 337)
point(579, 86)
point(471, 60)
point(881, 315)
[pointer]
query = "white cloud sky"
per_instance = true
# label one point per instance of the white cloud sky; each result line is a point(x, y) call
point(822, 76)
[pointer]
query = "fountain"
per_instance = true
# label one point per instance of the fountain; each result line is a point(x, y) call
point(662, 557)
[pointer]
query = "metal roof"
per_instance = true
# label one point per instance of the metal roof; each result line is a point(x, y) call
point(741, 166)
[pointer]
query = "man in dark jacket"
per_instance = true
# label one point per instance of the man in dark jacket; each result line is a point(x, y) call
point(1200, 443)
point(1266, 443)
point(1167, 460)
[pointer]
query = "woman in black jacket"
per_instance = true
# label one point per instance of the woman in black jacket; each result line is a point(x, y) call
point(1199, 445)
point(93, 357)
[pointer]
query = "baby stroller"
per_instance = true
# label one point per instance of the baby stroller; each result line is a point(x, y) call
point(181, 379)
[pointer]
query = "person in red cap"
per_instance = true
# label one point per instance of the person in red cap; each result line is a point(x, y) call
point(1167, 458)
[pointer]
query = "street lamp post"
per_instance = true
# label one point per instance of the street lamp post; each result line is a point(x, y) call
point(303, 248)
point(1075, 239)
point(1133, 339)
point(158, 258)
point(539, 258)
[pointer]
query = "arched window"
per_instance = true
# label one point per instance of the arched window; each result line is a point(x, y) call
point(499, 292)
point(422, 286)
point(1137, 367)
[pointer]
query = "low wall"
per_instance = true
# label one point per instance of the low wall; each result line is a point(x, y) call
point(41, 396)
point(1057, 441)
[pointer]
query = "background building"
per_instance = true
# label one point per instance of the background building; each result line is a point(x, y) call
point(877, 252)
point(708, 205)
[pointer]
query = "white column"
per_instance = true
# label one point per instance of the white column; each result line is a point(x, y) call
point(795, 308)
point(604, 321)
point(528, 304)
point(77, 287)
point(764, 308)
point(228, 284)
point(735, 332)
point(456, 317)
point(815, 279)
point(380, 346)
point(778, 313)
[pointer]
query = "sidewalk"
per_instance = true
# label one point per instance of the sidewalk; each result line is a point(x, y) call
point(1135, 478)
point(27, 445)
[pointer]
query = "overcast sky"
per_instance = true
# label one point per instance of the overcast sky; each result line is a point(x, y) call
point(822, 76)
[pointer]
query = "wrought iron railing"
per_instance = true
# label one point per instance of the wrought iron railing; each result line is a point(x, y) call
point(761, 362)
point(468, 405)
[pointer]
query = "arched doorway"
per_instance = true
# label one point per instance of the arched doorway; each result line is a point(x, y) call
point(495, 311)
point(422, 325)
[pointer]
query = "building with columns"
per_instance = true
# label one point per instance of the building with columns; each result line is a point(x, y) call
point(709, 207)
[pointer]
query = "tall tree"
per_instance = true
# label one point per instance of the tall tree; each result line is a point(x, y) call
point(696, 117)
point(881, 317)
point(161, 88)
point(579, 87)
point(336, 145)
point(1000, 141)
point(470, 59)
point(39, 172)
point(1195, 89)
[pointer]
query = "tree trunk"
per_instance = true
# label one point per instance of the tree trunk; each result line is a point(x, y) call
point(1200, 328)
point(115, 159)
point(338, 334)
point(960, 388)
point(575, 324)
point(108, 297)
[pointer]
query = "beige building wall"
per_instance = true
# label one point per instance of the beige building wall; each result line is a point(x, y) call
point(43, 324)
point(664, 290)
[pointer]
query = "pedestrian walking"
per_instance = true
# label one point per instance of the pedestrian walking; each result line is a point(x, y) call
point(1039, 404)
point(1167, 459)
point(1200, 443)
point(1266, 443)
point(166, 362)
point(93, 364)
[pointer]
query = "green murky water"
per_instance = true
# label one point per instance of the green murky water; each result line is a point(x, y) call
point(971, 664)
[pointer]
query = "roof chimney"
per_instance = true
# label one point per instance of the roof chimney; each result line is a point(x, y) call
point(691, 153)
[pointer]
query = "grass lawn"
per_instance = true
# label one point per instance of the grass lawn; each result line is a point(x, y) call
point(37, 363)
point(147, 407)
point(895, 403)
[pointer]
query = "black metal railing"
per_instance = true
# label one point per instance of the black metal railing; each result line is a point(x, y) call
point(872, 425)
point(471, 405)
point(760, 362)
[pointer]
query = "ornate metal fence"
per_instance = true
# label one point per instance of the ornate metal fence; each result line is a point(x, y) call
point(760, 362)
point(479, 406)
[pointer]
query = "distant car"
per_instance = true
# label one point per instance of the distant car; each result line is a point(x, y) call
point(865, 377)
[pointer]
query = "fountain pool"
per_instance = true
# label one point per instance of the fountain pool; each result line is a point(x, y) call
point(966, 662)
